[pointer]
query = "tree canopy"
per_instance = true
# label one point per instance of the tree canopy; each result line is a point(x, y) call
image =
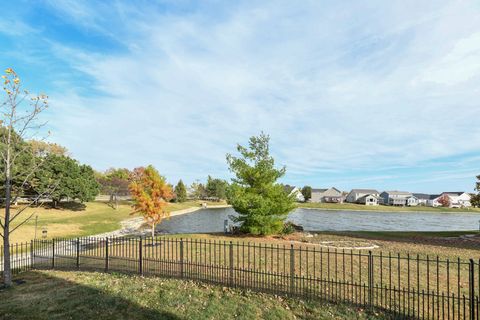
point(150, 193)
point(307, 193)
point(69, 179)
point(180, 192)
point(216, 188)
point(261, 202)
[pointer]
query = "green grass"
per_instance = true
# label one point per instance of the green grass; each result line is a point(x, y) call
point(82, 295)
point(354, 206)
point(77, 220)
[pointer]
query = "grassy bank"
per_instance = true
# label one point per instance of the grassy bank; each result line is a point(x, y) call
point(77, 219)
point(81, 295)
point(354, 206)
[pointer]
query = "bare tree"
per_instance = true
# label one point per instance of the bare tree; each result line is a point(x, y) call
point(19, 122)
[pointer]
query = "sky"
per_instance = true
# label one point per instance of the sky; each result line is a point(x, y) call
point(354, 94)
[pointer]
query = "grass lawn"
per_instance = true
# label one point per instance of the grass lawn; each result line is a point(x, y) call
point(77, 220)
point(82, 295)
point(354, 206)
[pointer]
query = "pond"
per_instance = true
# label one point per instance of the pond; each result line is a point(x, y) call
point(212, 220)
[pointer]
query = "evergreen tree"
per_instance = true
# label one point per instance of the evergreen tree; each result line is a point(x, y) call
point(216, 188)
point(180, 192)
point(70, 180)
point(262, 203)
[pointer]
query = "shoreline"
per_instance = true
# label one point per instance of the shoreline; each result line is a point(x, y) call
point(388, 211)
point(194, 209)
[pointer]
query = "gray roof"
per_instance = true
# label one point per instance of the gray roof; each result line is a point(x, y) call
point(369, 191)
point(398, 193)
point(434, 196)
point(368, 195)
point(319, 190)
point(422, 196)
point(457, 193)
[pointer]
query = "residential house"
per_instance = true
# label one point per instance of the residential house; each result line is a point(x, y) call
point(331, 195)
point(412, 201)
point(397, 198)
point(369, 200)
point(317, 195)
point(422, 198)
point(355, 194)
point(292, 190)
point(458, 199)
point(433, 200)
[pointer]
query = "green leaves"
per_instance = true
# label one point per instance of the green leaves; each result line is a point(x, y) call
point(68, 178)
point(261, 203)
point(180, 192)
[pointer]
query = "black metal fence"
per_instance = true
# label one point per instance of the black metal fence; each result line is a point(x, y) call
point(407, 286)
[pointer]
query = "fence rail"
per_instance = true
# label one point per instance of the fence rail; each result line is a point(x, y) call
point(420, 287)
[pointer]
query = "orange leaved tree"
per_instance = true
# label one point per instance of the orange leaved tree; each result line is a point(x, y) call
point(151, 194)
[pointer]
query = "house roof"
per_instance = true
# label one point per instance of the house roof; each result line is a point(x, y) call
point(319, 190)
point(288, 188)
point(368, 191)
point(453, 193)
point(422, 196)
point(398, 193)
point(434, 196)
point(368, 195)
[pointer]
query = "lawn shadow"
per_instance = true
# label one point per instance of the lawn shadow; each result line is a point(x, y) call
point(71, 206)
point(43, 296)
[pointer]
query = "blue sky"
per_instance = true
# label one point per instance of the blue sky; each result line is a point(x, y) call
point(374, 94)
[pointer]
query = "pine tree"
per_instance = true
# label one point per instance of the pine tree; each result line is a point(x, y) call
point(262, 203)
point(181, 191)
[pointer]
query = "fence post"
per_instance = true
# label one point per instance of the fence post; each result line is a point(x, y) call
point(106, 254)
point(230, 279)
point(140, 257)
point(181, 258)
point(53, 253)
point(78, 253)
point(32, 256)
point(370, 280)
point(471, 291)
point(292, 270)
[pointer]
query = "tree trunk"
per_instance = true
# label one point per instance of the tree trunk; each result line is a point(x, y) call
point(116, 201)
point(7, 271)
point(153, 231)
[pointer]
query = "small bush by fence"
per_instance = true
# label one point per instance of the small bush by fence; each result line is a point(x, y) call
point(407, 286)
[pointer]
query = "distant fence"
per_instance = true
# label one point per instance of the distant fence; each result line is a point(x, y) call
point(407, 286)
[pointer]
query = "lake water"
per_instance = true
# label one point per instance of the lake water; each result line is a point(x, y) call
point(212, 220)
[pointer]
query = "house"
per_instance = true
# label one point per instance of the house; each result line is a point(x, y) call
point(355, 194)
point(397, 198)
point(422, 198)
point(331, 195)
point(433, 200)
point(369, 200)
point(412, 201)
point(317, 195)
point(292, 190)
point(458, 199)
